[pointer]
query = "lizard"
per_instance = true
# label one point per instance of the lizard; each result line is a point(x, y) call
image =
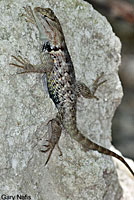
point(63, 88)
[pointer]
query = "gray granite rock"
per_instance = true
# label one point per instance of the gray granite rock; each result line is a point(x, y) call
point(25, 108)
point(126, 179)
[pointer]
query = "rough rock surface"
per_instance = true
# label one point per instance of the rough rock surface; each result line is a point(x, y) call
point(126, 179)
point(25, 108)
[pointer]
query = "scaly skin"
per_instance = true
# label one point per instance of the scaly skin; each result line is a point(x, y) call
point(61, 82)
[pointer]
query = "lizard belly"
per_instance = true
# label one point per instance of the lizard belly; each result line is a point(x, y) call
point(60, 90)
point(61, 82)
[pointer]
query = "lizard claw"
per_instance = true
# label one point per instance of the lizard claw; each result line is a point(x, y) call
point(96, 84)
point(24, 64)
point(29, 15)
point(54, 139)
point(50, 148)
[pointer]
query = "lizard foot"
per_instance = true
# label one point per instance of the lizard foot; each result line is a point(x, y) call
point(26, 66)
point(55, 136)
point(23, 64)
point(96, 84)
point(86, 92)
point(29, 15)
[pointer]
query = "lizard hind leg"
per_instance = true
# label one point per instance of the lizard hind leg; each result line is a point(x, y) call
point(55, 132)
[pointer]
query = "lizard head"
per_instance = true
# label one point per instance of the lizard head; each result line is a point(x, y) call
point(49, 27)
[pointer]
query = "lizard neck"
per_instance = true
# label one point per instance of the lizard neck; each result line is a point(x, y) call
point(63, 55)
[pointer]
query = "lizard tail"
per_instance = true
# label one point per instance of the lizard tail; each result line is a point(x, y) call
point(106, 151)
point(89, 145)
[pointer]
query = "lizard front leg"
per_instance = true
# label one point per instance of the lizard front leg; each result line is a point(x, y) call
point(24, 64)
point(84, 91)
point(55, 126)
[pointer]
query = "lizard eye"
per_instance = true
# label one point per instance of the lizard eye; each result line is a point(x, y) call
point(43, 16)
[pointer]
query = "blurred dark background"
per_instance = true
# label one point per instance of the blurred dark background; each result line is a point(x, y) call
point(120, 14)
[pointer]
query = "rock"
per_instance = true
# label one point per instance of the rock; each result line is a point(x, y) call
point(25, 108)
point(125, 178)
